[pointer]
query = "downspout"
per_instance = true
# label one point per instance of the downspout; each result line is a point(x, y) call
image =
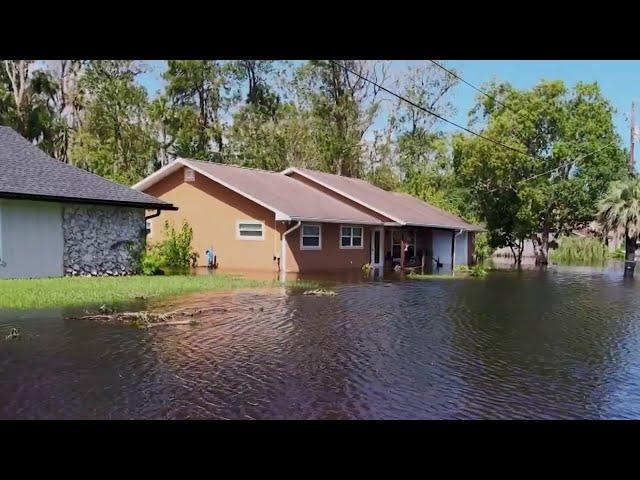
point(283, 251)
point(157, 214)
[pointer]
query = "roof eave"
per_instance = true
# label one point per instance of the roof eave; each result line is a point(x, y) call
point(87, 201)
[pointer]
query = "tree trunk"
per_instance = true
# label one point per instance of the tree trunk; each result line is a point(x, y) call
point(541, 247)
point(630, 255)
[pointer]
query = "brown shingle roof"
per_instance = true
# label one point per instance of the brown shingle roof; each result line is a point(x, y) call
point(288, 198)
point(399, 207)
point(28, 172)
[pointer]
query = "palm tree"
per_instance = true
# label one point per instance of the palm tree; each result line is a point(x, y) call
point(620, 210)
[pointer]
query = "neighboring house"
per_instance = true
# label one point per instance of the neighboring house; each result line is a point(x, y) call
point(58, 219)
point(303, 221)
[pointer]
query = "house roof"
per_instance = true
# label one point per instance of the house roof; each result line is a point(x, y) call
point(399, 207)
point(29, 173)
point(289, 199)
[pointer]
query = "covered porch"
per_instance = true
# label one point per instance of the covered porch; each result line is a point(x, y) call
point(425, 249)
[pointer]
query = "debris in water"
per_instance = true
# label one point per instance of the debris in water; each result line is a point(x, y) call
point(13, 333)
point(321, 292)
point(146, 319)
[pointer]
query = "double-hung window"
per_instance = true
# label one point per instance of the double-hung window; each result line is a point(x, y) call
point(310, 237)
point(249, 230)
point(350, 237)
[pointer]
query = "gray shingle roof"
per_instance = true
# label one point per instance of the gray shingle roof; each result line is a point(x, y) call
point(28, 172)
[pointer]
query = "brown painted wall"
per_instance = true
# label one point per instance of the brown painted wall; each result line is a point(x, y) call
point(212, 211)
point(331, 257)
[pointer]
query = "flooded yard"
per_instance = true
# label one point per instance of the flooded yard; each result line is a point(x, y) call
point(562, 343)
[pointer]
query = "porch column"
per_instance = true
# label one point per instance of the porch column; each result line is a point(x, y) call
point(403, 246)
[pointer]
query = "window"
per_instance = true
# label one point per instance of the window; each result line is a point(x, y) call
point(350, 237)
point(249, 230)
point(310, 237)
point(149, 230)
point(189, 175)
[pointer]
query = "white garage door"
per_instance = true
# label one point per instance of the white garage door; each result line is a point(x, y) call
point(30, 239)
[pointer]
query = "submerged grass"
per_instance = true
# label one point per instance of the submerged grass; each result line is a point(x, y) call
point(81, 291)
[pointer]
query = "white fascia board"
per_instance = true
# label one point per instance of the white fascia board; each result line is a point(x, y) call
point(159, 175)
point(335, 220)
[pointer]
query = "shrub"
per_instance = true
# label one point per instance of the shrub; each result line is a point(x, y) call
point(151, 262)
point(579, 250)
point(176, 248)
point(482, 251)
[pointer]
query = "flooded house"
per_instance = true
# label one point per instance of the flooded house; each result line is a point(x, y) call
point(57, 219)
point(301, 220)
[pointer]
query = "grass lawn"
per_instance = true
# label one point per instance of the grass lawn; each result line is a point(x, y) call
point(80, 291)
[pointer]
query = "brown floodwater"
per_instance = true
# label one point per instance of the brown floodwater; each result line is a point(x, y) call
point(562, 343)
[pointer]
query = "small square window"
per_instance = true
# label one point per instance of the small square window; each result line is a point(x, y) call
point(310, 237)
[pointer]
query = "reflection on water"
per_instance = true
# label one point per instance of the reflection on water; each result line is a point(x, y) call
point(562, 343)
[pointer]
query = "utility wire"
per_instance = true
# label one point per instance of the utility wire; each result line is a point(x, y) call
point(477, 89)
point(420, 107)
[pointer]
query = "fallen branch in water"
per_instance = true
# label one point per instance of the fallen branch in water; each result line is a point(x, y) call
point(321, 292)
point(145, 319)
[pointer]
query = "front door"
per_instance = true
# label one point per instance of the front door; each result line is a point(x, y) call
point(376, 247)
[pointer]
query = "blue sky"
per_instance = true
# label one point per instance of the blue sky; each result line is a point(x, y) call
point(619, 80)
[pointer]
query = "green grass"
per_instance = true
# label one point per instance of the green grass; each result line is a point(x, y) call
point(85, 291)
point(579, 251)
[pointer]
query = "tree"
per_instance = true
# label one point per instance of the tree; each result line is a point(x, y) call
point(116, 140)
point(570, 154)
point(68, 103)
point(618, 210)
point(342, 107)
point(196, 91)
point(27, 102)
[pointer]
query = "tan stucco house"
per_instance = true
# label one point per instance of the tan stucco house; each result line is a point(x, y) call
point(303, 221)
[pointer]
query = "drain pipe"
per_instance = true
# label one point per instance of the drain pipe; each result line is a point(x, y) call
point(453, 255)
point(154, 215)
point(283, 251)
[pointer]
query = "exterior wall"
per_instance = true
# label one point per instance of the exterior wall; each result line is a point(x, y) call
point(31, 242)
point(98, 239)
point(213, 211)
point(331, 256)
point(442, 246)
point(462, 248)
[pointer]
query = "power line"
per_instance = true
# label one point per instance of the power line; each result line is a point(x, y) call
point(420, 107)
point(477, 89)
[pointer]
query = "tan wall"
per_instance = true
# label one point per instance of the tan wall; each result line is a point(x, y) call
point(212, 211)
point(331, 257)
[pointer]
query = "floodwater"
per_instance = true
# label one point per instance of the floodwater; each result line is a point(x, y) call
point(557, 344)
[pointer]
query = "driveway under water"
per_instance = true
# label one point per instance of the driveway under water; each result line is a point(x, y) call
point(562, 343)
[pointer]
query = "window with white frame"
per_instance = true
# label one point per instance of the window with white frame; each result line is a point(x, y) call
point(249, 230)
point(310, 237)
point(350, 237)
point(149, 228)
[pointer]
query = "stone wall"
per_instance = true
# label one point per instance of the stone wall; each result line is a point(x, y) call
point(98, 239)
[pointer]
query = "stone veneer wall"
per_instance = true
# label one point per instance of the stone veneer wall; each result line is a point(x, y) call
point(98, 239)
